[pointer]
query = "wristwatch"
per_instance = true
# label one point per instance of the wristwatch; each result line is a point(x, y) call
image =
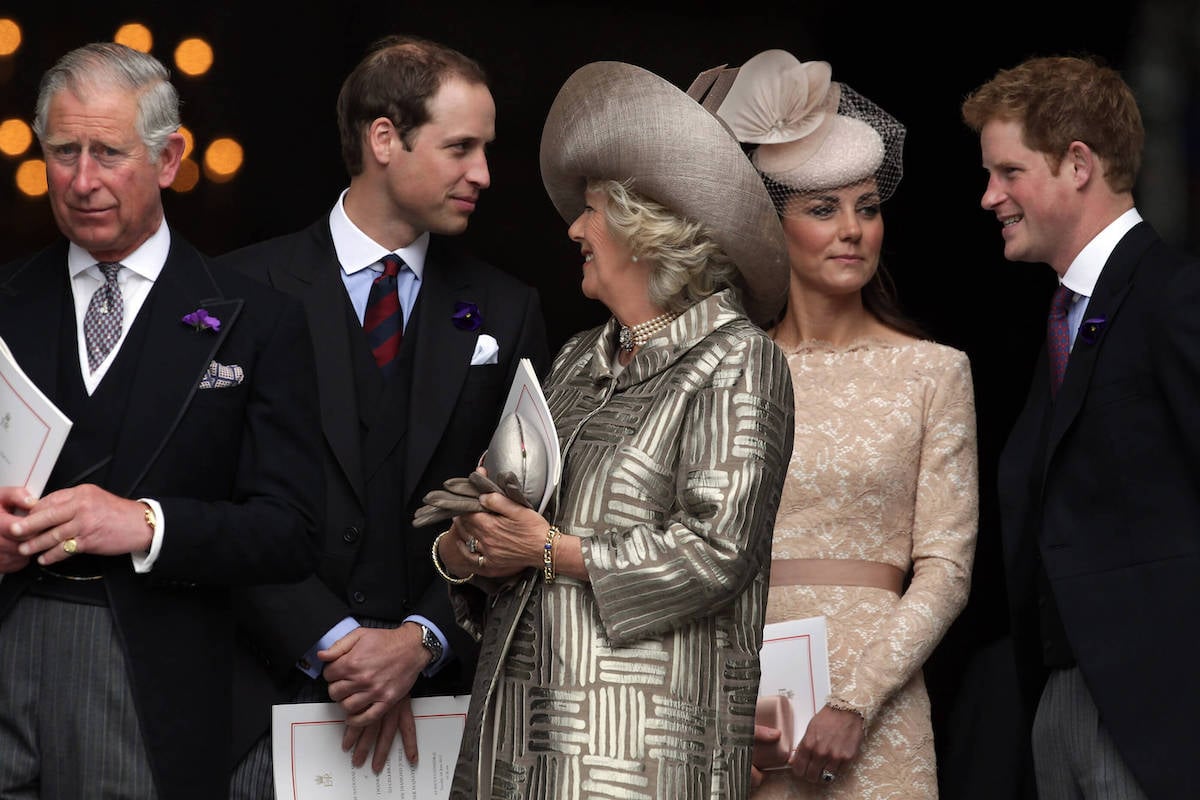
point(431, 643)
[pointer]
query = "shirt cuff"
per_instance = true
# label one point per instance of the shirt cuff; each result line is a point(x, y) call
point(312, 666)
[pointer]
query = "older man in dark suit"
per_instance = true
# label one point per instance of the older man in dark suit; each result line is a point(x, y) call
point(416, 346)
point(190, 466)
point(1100, 478)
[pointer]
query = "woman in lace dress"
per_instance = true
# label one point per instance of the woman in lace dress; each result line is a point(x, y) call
point(876, 527)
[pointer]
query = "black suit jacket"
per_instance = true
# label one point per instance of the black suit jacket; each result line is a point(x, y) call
point(453, 408)
point(1103, 486)
point(235, 470)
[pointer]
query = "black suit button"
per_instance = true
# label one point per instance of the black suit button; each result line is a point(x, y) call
point(359, 597)
point(350, 535)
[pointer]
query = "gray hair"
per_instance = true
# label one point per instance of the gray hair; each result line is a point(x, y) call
point(687, 264)
point(108, 64)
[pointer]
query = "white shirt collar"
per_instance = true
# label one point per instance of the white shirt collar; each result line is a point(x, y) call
point(1084, 271)
point(147, 261)
point(357, 251)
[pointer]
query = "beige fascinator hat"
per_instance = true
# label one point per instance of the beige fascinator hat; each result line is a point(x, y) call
point(811, 132)
point(617, 121)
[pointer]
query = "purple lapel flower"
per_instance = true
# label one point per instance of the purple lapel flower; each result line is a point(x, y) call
point(1091, 328)
point(467, 317)
point(201, 320)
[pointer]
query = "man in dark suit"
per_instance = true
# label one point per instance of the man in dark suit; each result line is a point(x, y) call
point(190, 466)
point(1100, 479)
point(374, 626)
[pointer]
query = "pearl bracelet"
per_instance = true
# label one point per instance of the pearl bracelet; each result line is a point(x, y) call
point(440, 567)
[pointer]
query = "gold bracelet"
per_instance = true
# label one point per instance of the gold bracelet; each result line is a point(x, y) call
point(148, 516)
point(440, 567)
point(548, 554)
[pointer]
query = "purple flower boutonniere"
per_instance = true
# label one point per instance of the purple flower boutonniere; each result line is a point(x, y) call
point(466, 316)
point(201, 320)
point(1091, 328)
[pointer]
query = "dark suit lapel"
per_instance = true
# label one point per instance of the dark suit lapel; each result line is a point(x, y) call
point(442, 359)
point(1111, 289)
point(176, 356)
point(33, 302)
point(314, 274)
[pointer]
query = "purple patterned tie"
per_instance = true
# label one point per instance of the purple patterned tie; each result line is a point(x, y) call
point(1058, 335)
point(102, 322)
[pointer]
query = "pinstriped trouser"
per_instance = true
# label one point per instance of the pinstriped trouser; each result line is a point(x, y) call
point(68, 729)
point(254, 776)
point(1074, 756)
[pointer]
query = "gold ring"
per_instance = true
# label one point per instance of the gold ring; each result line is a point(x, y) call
point(70, 546)
point(481, 562)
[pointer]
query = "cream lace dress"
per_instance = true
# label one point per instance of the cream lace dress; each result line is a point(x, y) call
point(884, 469)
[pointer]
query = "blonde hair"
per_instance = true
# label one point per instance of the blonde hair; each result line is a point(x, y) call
point(687, 264)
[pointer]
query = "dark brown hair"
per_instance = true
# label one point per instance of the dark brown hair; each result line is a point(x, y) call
point(396, 80)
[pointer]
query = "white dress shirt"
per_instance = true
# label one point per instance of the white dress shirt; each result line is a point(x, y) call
point(361, 260)
point(1084, 272)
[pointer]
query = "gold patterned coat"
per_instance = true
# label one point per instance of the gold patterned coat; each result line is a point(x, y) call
point(641, 683)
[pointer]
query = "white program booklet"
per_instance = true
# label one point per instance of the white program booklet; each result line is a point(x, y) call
point(795, 670)
point(32, 429)
point(311, 765)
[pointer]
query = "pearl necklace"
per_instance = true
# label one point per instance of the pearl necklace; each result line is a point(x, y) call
point(631, 336)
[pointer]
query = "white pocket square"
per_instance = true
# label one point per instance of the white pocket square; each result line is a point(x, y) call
point(486, 350)
point(221, 376)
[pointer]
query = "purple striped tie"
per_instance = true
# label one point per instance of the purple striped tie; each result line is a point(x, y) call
point(383, 320)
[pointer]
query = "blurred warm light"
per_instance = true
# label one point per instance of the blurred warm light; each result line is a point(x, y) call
point(31, 177)
point(10, 36)
point(193, 56)
point(189, 141)
point(15, 137)
point(135, 35)
point(222, 159)
point(187, 177)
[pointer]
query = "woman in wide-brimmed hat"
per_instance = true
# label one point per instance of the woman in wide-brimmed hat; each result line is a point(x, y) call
point(877, 522)
point(620, 632)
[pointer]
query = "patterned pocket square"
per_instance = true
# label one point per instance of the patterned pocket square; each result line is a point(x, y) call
point(221, 376)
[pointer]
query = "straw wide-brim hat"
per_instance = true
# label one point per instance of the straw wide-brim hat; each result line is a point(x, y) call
point(613, 120)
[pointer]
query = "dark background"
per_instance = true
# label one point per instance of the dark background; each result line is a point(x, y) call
point(278, 68)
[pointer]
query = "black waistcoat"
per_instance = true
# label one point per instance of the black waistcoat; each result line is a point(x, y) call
point(379, 587)
point(87, 454)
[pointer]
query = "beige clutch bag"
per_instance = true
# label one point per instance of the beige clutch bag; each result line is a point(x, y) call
point(774, 711)
point(515, 448)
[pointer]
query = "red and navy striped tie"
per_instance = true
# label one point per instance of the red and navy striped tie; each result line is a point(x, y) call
point(383, 321)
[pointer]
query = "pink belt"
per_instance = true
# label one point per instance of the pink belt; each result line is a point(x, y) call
point(836, 572)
